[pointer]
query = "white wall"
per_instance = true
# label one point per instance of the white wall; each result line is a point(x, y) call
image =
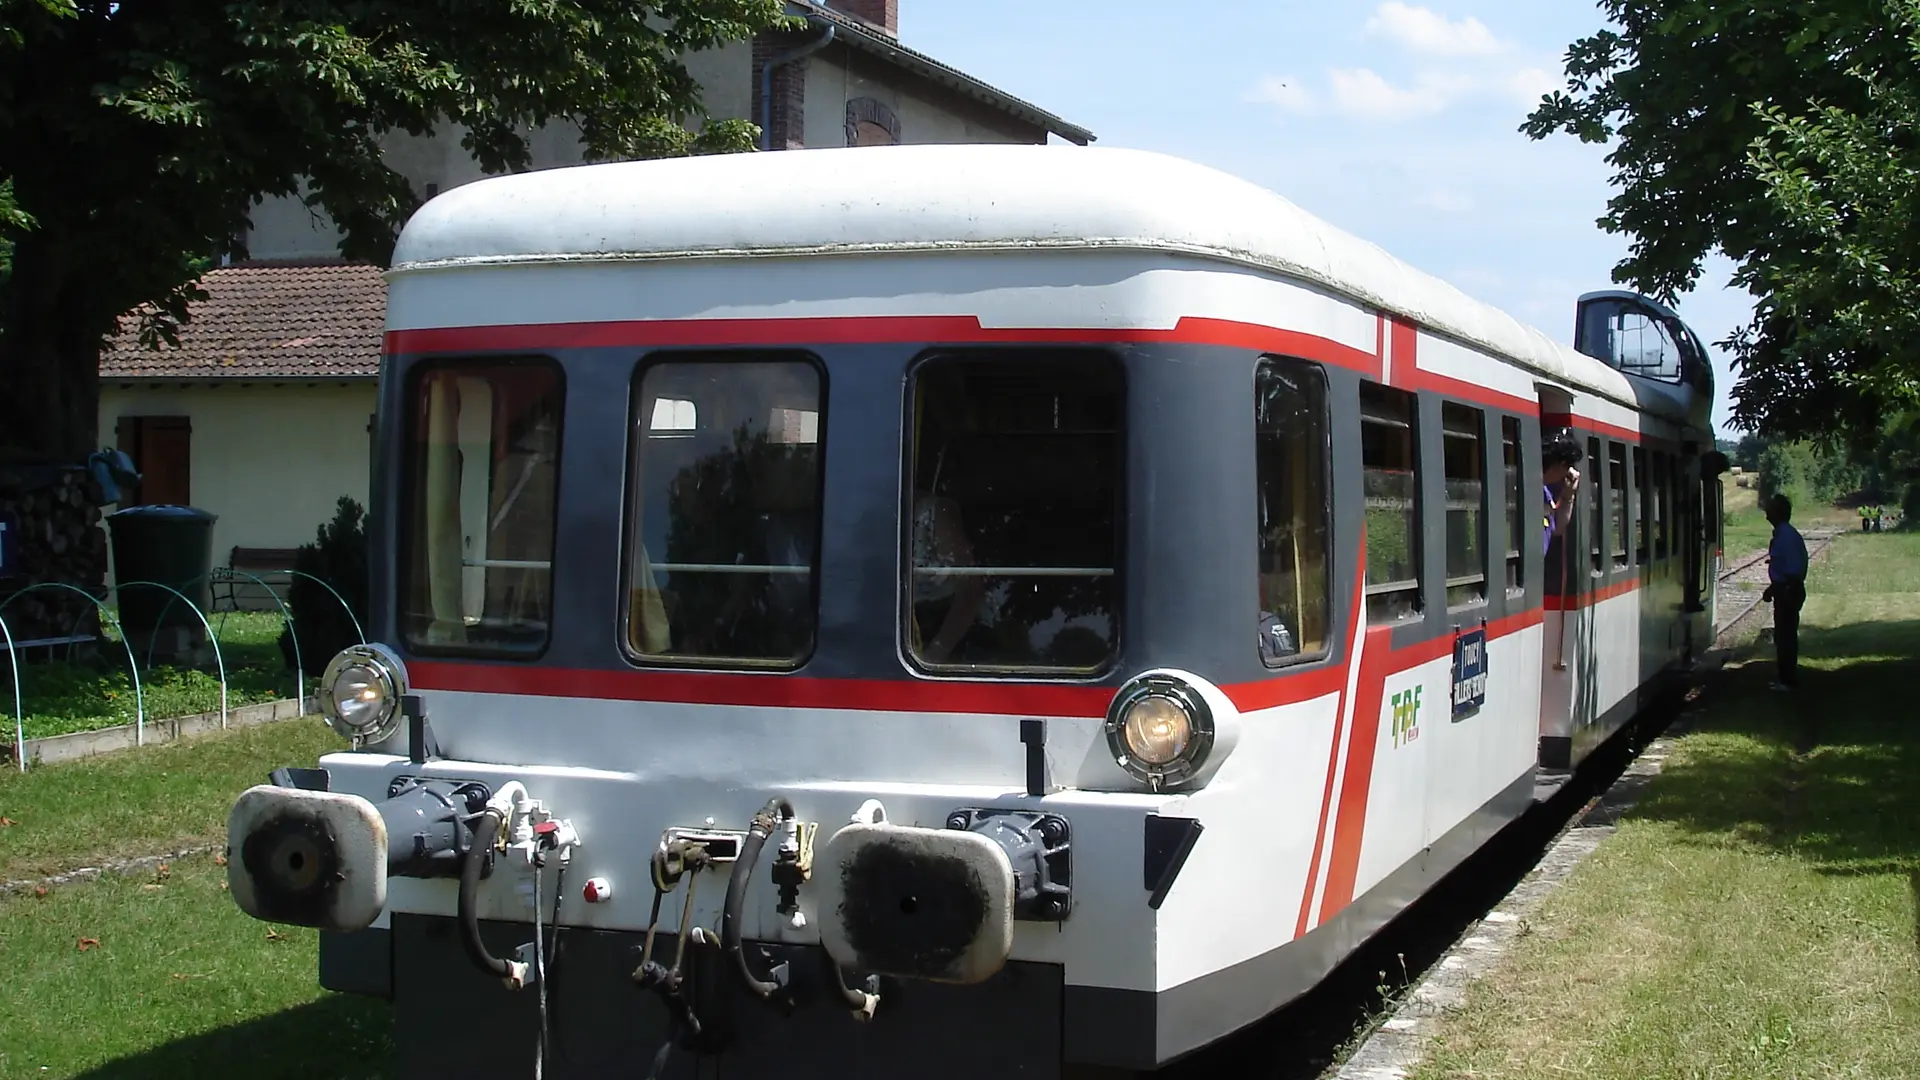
point(830, 86)
point(283, 228)
point(270, 459)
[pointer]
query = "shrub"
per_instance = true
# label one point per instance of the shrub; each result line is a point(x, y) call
point(338, 557)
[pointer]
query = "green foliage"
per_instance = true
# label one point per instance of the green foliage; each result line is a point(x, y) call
point(1809, 475)
point(1795, 157)
point(338, 556)
point(150, 131)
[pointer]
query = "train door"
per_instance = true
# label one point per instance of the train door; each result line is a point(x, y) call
point(1564, 580)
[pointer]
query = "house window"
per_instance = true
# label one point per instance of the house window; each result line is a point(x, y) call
point(871, 123)
point(723, 544)
point(1291, 428)
point(1015, 512)
point(1389, 473)
point(1516, 525)
point(1462, 455)
point(482, 500)
point(162, 451)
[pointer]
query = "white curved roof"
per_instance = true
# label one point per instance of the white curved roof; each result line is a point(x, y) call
point(949, 197)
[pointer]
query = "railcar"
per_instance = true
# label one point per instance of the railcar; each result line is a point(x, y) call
point(958, 610)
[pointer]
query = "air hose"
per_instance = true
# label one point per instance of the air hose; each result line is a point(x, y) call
point(485, 829)
point(777, 810)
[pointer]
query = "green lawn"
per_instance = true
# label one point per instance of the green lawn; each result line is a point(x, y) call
point(158, 974)
point(62, 696)
point(138, 802)
point(1755, 915)
point(162, 977)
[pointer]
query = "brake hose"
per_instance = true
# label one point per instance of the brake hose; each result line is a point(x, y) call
point(763, 825)
point(512, 971)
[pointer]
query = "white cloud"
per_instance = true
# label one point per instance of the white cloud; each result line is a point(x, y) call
point(1362, 92)
point(1424, 30)
point(1532, 84)
point(1284, 92)
point(1445, 201)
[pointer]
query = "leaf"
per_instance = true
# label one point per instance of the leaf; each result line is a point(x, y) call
point(151, 887)
point(219, 860)
point(163, 870)
point(86, 943)
point(6, 822)
point(275, 935)
point(40, 891)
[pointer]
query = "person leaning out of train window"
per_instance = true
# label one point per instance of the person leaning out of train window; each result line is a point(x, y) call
point(1557, 460)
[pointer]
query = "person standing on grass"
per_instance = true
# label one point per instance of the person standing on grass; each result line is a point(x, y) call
point(1787, 591)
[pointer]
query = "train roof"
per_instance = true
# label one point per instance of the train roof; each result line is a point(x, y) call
point(966, 198)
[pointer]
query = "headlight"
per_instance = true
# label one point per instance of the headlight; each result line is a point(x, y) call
point(360, 693)
point(1160, 731)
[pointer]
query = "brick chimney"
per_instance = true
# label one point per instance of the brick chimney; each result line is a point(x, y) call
point(882, 14)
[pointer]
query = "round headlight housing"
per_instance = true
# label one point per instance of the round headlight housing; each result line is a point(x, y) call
point(360, 693)
point(1160, 731)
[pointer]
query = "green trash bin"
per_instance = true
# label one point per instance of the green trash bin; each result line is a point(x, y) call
point(170, 545)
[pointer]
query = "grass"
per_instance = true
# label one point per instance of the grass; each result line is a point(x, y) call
point(61, 696)
point(138, 802)
point(162, 976)
point(1755, 915)
point(159, 974)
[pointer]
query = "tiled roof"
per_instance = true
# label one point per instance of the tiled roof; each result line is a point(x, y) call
point(267, 320)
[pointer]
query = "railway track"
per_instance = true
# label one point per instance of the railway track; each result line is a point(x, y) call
point(1738, 599)
point(1303, 1040)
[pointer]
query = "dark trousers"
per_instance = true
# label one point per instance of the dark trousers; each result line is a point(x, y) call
point(1788, 598)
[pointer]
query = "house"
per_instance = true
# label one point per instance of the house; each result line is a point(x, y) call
point(263, 413)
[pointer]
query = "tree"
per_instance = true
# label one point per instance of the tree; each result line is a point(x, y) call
point(1781, 134)
point(135, 138)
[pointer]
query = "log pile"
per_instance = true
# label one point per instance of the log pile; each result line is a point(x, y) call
point(60, 539)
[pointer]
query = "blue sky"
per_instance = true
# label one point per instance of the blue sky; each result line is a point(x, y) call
point(1396, 121)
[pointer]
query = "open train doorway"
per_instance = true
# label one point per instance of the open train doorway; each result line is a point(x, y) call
point(1562, 522)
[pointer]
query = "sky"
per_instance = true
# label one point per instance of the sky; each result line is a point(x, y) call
point(1398, 122)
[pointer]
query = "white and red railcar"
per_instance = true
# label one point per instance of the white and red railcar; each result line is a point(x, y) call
point(952, 611)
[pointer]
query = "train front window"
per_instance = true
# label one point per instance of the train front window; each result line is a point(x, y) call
point(1013, 529)
point(1387, 456)
point(1461, 446)
point(723, 529)
point(484, 446)
point(1291, 427)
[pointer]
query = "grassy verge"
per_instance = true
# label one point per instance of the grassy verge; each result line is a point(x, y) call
point(61, 696)
point(138, 802)
point(162, 976)
point(1755, 916)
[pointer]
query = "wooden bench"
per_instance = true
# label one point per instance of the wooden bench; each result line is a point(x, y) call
point(49, 643)
point(270, 565)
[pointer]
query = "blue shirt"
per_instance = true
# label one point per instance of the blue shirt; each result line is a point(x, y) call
point(1787, 554)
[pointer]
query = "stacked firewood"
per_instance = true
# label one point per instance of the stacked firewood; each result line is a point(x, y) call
point(60, 539)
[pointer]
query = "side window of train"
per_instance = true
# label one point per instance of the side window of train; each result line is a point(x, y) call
point(1516, 521)
point(723, 518)
point(1662, 499)
point(482, 479)
point(1643, 515)
point(1389, 470)
point(1596, 509)
point(1291, 435)
point(1463, 457)
point(1617, 526)
point(1017, 467)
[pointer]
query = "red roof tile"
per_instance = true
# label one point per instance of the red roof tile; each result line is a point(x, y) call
point(267, 320)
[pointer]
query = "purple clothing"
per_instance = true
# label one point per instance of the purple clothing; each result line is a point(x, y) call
point(1553, 524)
